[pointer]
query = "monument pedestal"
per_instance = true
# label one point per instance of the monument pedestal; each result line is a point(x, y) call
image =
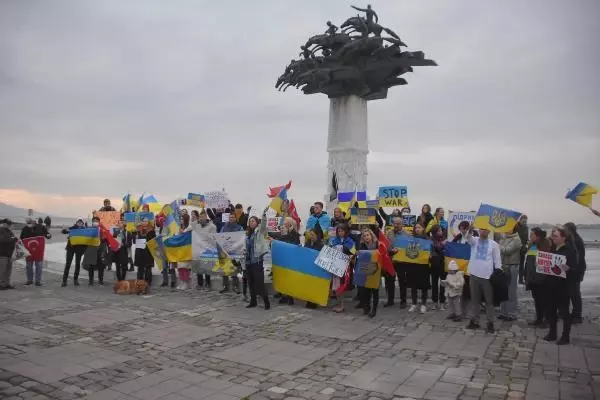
point(347, 144)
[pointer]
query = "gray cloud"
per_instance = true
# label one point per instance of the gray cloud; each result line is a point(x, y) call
point(97, 98)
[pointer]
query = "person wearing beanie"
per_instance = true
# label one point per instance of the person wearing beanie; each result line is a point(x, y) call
point(454, 286)
point(76, 252)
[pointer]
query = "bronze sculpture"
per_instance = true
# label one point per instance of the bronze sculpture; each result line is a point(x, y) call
point(354, 59)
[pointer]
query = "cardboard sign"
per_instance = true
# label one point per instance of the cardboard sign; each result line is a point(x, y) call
point(333, 261)
point(455, 218)
point(550, 264)
point(217, 199)
point(274, 224)
point(393, 196)
point(195, 199)
point(363, 216)
point(109, 219)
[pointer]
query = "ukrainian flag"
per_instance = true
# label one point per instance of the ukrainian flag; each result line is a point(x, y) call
point(582, 194)
point(129, 218)
point(295, 273)
point(345, 201)
point(532, 251)
point(277, 201)
point(133, 219)
point(363, 216)
point(496, 219)
point(85, 237)
point(171, 226)
point(195, 199)
point(412, 250)
point(461, 253)
point(156, 248)
point(361, 198)
point(178, 247)
point(367, 271)
point(150, 201)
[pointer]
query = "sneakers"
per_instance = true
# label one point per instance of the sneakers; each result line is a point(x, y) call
point(563, 341)
point(423, 309)
point(473, 325)
point(490, 328)
point(412, 308)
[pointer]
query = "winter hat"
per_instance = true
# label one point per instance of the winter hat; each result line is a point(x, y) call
point(452, 266)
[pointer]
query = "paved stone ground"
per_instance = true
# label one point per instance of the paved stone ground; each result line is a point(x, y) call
point(70, 343)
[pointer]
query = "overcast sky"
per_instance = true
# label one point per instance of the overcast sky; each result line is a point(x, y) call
point(98, 98)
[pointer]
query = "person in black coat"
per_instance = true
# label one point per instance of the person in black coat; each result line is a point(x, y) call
point(143, 258)
point(96, 258)
point(121, 257)
point(534, 281)
point(557, 288)
point(575, 284)
point(76, 251)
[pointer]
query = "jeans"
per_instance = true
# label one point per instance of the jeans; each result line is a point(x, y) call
point(522, 264)
point(165, 275)
point(38, 271)
point(509, 308)
point(481, 287)
point(454, 306)
point(414, 294)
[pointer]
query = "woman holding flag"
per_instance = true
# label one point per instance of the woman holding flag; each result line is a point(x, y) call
point(368, 241)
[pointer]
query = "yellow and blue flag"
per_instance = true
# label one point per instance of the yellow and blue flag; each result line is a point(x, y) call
point(149, 200)
point(582, 194)
point(361, 199)
point(345, 201)
point(363, 216)
point(178, 247)
point(133, 219)
point(295, 273)
point(496, 219)
point(85, 237)
point(367, 270)
point(412, 250)
point(196, 200)
point(460, 253)
point(277, 201)
point(171, 224)
point(156, 248)
point(532, 250)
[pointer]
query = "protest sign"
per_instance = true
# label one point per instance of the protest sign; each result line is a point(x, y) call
point(195, 199)
point(232, 243)
point(216, 199)
point(333, 261)
point(409, 223)
point(372, 203)
point(455, 218)
point(274, 224)
point(35, 246)
point(225, 217)
point(363, 216)
point(109, 219)
point(550, 264)
point(393, 196)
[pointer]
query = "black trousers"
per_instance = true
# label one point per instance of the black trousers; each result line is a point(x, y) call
point(203, 278)
point(145, 274)
point(70, 254)
point(368, 295)
point(522, 265)
point(414, 294)
point(390, 282)
point(121, 269)
point(557, 297)
point(256, 282)
point(100, 270)
point(538, 294)
point(438, 292)
point(575, 298)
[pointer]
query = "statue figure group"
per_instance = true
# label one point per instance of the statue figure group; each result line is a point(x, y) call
point(351, 59)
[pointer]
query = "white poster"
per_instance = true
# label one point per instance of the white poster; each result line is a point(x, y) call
point(333, 261)
point(550, 264)
point(455, 218)
point(216, 199)
point(232, 243)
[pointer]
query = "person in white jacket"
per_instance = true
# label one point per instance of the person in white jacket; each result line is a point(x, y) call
point(202, 225)
point(454, 283)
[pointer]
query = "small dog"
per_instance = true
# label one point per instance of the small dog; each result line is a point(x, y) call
point(131, 286)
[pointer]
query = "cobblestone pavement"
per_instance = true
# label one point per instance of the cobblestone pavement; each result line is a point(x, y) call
point(86, 342)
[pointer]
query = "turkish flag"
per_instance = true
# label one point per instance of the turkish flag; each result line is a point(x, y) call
point(106, 235)
point(35, 246)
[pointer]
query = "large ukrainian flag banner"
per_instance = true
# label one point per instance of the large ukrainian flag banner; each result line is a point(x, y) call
point(496, 219)
point(367, 270)
point(459, 252)
point(85, 237)
point(156, 248)
point(171, 213)
point(295, 273)
point(412, 250)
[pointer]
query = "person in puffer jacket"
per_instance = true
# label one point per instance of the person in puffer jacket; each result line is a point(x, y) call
point(510, 252)
point(454, 283)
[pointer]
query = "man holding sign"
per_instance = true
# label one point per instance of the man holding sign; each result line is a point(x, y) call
point(558, 283)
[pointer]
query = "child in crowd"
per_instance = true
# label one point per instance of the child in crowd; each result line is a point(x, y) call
point(454, 285)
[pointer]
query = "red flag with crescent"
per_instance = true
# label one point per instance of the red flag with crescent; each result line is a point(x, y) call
point(35, 246)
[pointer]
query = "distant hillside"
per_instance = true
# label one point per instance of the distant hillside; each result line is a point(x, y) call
point(18, 215)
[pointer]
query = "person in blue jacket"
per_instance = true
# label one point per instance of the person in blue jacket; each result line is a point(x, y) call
point(318, 216)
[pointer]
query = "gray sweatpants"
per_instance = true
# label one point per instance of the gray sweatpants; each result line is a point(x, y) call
point(454, 306)
point(6, 266)
point(481, 287)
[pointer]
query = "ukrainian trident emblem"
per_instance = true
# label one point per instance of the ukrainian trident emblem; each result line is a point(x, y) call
point(412, 250)
point(498, 219)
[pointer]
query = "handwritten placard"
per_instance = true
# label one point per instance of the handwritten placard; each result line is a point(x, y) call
point(393, 196)
point(274, 224)
point(216, 199)
point(333, 261)
point(550, 264)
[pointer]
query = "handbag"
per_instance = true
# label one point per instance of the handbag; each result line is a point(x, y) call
point(20, 251)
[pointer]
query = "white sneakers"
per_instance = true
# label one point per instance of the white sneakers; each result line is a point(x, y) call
point(423, 309)
point(412, 308)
